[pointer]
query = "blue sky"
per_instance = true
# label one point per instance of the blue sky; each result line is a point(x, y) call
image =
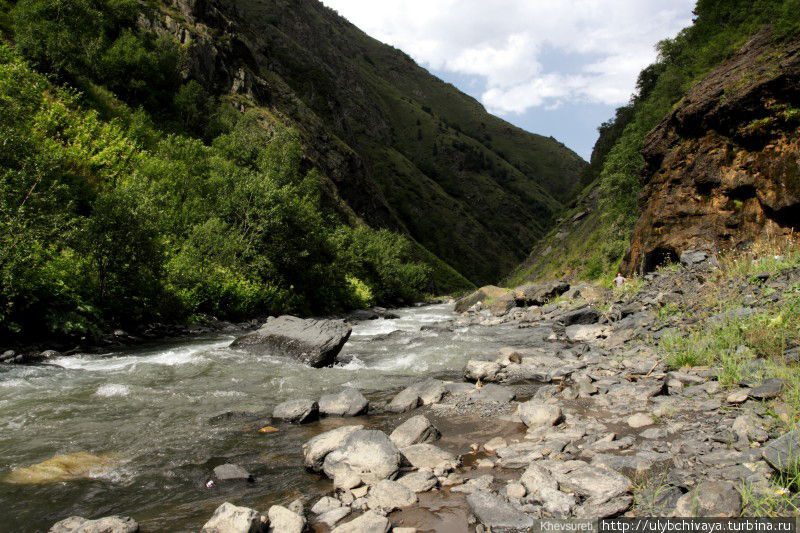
point(553, 67)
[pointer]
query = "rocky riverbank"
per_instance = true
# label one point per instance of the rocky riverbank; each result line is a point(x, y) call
point(598, 407)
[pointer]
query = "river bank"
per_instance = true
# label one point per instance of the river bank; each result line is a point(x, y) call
point(591, 397)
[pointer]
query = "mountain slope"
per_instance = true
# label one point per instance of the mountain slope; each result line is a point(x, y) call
point(405, 150)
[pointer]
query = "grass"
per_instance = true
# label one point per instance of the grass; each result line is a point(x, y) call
point(778, 498)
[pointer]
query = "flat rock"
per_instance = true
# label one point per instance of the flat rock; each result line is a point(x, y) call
point(348, 402)
point(369, 522)
point(366, 454)
point(286, 521)
point(495, 512)
point(584, 333)
point(427, 456)
point(229, 518)
point(325, 504)
point(317, 448)
point(231, 472)
point(334, 516)
point(386, 496)
point(640, 420)
point(108, 524)
point(770, 388)
point(534, 413)
point(584, 315)
point(415, 430)
point(738, 396)
point(595, 482)
point(424, 393)
point(311, 341)
point(710, 499)
point(783, 453)
point(422, 480)
point(297, 411)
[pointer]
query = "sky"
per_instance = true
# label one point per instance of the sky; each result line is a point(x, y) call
point(554, 67)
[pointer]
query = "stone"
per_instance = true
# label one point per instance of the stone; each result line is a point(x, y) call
point(325, 504)
point(770, 388)
point(481, 370)
point(783, 453)
point(415, 430)
point(231, 472)
point(229, 518)
point(282, 520)
point(386, 496)
point(612, 507)
point(348, 402)
point(483, 483)
point(61, 468)
point(495, 444)
point(404, 530)
point(516, 491)
point(334, 516)
point(365, 454)
point(639, 420)
point(405, 400)
point(693, 257)
point(738, 396)
point(536, 478)
point(556, 502)
point(486, 292)
point(369, 522)
point(317, 448)
point(422, 480)
point(584, 315)
point(718, 499)
point(108, 524)
point(534, 413)
point(502, 305)
point(495, 512)
point(427, 456)
point(297, 411)
point(586, 333)
point(595, 482)
point(539, 294)
point(310, 341)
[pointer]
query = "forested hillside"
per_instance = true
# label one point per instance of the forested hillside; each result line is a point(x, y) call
point(595, 232)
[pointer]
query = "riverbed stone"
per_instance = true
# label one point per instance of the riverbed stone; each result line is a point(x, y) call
point(427, 456)
point(311, 341)
point(536, 478)
point(385, 496)
point(297, 411)
point(405, 400)
point(348, 402)
point(481, 370)
point(770, 388)
point(584, 315)
point(496, 512)
point(369, 522)
point(108, 524)
point(639, 420)
point(229, 518)
point(316, 449)
point(334, 516)
point(420, 481)
point(231, 472)
point(426, 392)
point(282, 520)
point(325, 504)
point(598, 483)
point(783, 453)
point(415, 430)
point(367, 454)
point(534, 413)
point(710, 498)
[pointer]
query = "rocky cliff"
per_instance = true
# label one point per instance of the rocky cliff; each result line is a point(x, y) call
point(723, 168)
point(403, 149)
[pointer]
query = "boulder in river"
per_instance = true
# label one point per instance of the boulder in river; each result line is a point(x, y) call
point(369, 522)
point(311, 341)
point(489, 291)
point(62, 468)
point(539, 294)
point(316, 449)
point(348, 402)
point(534, 413)
point(415, 430)
point(297, 411)
point(108, 524)
point(428, 456)
point(495, 512)
point(286, 521)
point(366, 456)
point(231, 472)
point(229, 518)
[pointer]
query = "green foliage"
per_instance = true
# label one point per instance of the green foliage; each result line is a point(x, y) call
point(116, 222)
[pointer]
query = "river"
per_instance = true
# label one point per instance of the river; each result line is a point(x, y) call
point(166, 414)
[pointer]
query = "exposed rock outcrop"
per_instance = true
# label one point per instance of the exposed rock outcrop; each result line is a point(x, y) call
point(723, 168)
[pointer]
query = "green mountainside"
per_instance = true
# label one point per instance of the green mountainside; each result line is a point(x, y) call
point(207, 159)
point(594, 233)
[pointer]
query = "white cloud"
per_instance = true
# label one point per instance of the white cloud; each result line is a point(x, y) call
point(511, 44)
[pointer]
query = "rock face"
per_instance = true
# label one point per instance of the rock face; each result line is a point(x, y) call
point(229, 518)
point(109, 524)
point(313, 342)
point(722, 168)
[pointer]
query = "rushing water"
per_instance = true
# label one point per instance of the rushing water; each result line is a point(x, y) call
point(155, 410)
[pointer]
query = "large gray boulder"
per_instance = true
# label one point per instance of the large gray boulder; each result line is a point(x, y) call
point(229, 518)
point(297, 411)
point(348, 402)
point(108, 524)
point(487, 292)
point(283, 520)
point(311, 341)
point(710, 498)
point(539, 294)
point(534, 413)
point(316, 449)
point(495, 512)
point(366, 456)
point(413, 431)
point(783, 453)
point(424, 393)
